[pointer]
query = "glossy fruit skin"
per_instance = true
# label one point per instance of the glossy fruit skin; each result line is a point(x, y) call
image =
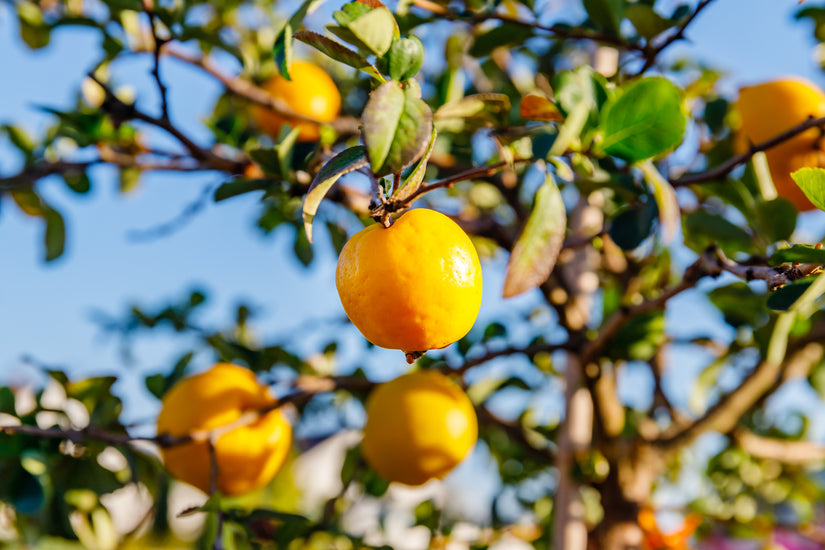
point(770, 108)
point(419, 427)
point(249, 456)
point(413, 286)
point(310, 92)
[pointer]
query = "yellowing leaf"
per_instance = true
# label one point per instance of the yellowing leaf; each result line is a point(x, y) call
point(535, 106)
point(537, 249)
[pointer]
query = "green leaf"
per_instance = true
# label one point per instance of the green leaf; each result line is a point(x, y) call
point(739, 304)
point(473, 112)
point(344, 162)
point(647, 22)
point(7, 401)
point(639, 338)
point(55, 237)
point(282, 51)
point(28, 201)
point(812, 183)
point(338, 52)
point(405, 58)
point(582, 85)
point(302, 248)
point(702, 229)
point(784, 298)
point(372, 30)
point(240, 186)
point(777, 218)
point(397, 126)
point(416, 176)
point(77, 181)
point(19, 138)
point(33, 31)
point(799, 254)
point(129, 179)
point(606, 14)
point(506, 34)
point(645, 121)
point(537, 248)
point(634, 225)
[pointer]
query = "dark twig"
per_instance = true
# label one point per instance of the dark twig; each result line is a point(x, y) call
point(651, 54)
point(148, 7)
point(121, 111)
point(478, 172)
point(530, 351)
point(344, 125)
point(34, 172)
point(727, 167)
point(594, 349)
point(178, 222)
point(557, 31)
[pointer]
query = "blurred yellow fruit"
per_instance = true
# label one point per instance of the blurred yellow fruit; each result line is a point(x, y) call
point(419, 427)
point(310, 93)
point(249, 455)
point(768, 109)
point(413, 286)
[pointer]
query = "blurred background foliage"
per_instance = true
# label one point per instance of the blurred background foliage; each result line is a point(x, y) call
point(548, 100)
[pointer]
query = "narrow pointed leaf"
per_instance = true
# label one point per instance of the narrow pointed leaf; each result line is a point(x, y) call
point(537, 249)
point(414, 179)
point(344, 162)
point(812, 183)
point(397, 126)
point(55, 237)
point(338, 52)
point(665, 197)
point(799, 254)
point(484, 109)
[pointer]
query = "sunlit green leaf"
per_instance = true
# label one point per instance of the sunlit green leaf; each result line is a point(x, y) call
point(343, 163)
point(397, 126)
point(645, 121)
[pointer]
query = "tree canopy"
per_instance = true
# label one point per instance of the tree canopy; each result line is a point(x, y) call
point(609, 187)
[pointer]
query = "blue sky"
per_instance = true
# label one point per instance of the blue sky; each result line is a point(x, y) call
point(45, 309)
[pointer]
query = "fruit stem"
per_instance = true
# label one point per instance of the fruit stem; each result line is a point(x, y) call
point(412, 356)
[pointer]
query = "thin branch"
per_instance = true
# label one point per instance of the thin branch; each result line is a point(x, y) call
point(344, 125)
point(121, 111)
point(306, 387)
point(651, 54)
point(34, 172)
point(560, 32)
point(725, 414)
point(731, 164)
point(148, 7)
point(530, 351)
point(789, 452)
point(178, 222)
point(478, 172)
point(594, 349)
point(776, 277)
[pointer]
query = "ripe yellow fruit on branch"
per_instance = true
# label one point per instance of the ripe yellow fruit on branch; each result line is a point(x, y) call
point(768, 109)
point(310, 93)
point(419, 427)
point(414, 286)
point(249, 455)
